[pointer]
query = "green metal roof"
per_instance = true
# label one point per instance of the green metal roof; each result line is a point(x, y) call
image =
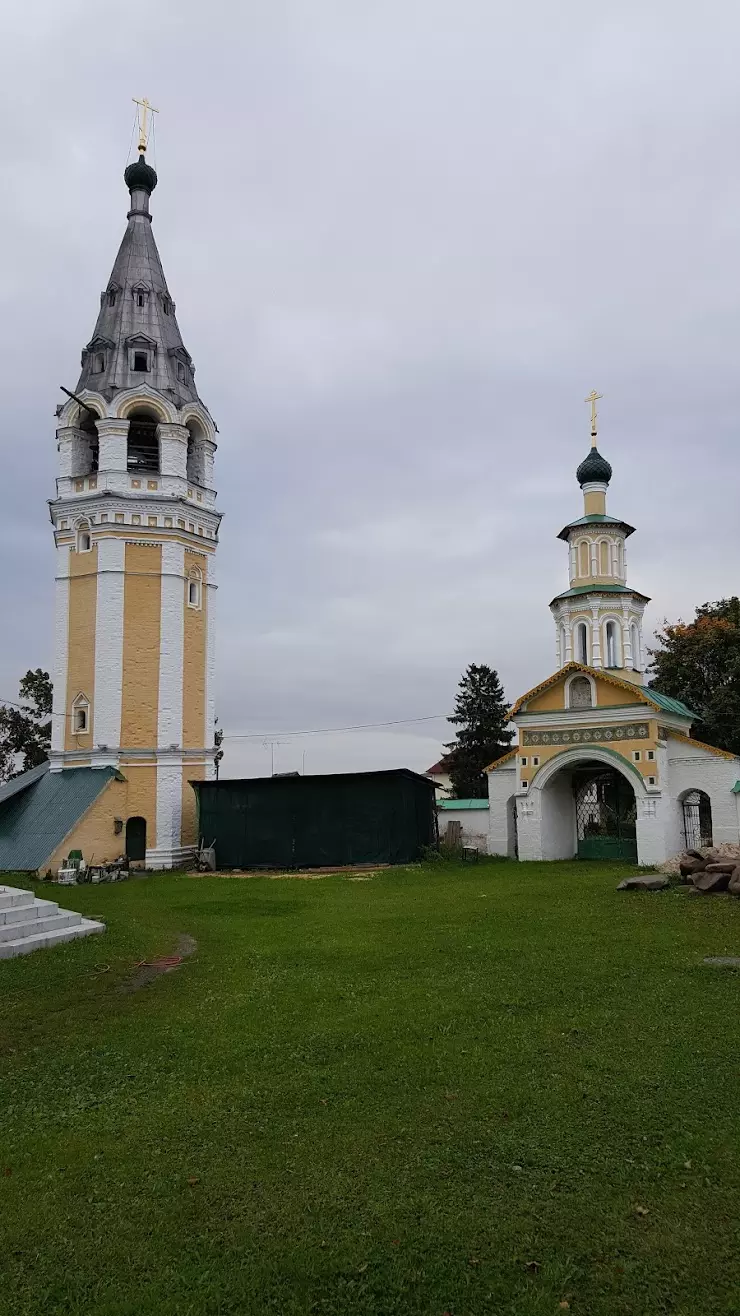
point(597, 518)
point(599, 589)
point(462, 804)
point(670, 705)
point(39, 808)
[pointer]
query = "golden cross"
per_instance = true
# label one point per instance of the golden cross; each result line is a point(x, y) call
point(593, 398)
point(146, 108)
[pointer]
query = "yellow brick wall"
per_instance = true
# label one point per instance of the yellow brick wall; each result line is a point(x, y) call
point(594, 503)
point(646, 767)
point(194, 661)
point(141, 797)
point(189, 803)
point(607, 696)
point(94, 834)
point(83, 593)
point(141, 621)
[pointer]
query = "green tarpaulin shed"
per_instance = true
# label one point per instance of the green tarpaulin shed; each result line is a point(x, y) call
point(318, 822)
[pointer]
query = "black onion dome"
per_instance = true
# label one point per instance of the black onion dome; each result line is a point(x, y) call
point(141, 176)
point(594, 469)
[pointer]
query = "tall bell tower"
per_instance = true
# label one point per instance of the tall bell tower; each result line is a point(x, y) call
point(136, 531)
point(598, 620)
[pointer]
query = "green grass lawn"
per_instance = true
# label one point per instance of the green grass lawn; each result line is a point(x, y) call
point(485, 1089)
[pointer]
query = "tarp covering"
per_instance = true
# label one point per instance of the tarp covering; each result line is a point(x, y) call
point(318, 822)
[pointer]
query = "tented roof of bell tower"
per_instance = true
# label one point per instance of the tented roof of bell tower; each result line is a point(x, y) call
point(136, 338)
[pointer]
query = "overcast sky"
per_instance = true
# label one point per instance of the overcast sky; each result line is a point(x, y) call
point(406, 238)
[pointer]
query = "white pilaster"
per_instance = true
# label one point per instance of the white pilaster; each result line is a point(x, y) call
point(113, 444)
point(61, 638)
point(109, 645)
point(173, 449)
point(169, 815)
point(595, 639)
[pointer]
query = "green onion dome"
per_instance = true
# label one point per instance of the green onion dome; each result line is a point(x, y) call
point(140, 176)
point(595, 469)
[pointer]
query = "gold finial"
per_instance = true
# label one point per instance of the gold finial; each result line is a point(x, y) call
point(145, 108)
point(593, 398)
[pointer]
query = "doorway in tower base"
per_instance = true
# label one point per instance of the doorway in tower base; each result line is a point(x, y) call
point(136, 839)
point(606, 814)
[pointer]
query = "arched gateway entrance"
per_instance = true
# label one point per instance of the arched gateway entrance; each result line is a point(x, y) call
point(585, 802)
point(606, 813)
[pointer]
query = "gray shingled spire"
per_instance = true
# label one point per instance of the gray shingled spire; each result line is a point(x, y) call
point(136, 326)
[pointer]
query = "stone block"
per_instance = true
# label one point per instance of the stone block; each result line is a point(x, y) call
point(644, 882)
point(710, 882)
point(734, 883)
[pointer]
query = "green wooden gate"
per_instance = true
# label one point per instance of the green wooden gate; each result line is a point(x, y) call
point(606, 815)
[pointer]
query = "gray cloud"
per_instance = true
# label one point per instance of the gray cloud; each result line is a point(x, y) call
point(405, 240)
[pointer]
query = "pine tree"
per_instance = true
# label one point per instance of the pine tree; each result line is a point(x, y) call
point(481, 711)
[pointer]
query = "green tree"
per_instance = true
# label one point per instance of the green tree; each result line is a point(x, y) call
point(699, 663)
point(480, 713)
point(25, 732)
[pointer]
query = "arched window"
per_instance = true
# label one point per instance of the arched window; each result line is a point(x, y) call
point(612, 645)
point(195, 458)
point(584, 568)
point(143, 442)
point(582, 643)
point(697, 820)
point(579, 693)
point(620, 558)
point(87, 454)
point(81, 715)
point(604, 566)
point(195, 588)
point(635, 640)
point(112, 296)
point(84, 538)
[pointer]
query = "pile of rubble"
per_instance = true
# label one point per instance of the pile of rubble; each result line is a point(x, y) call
point(708, 871)
point(713, 854)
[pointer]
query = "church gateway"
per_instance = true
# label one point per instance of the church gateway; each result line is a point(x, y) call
point(605, 766)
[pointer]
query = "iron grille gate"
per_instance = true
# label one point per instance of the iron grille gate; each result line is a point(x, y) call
point(606, 815)
point(697, 820)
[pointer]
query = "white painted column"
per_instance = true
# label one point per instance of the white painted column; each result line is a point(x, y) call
point(173, 449)
point(61, 641)
point(626, 639)
point(568, 640)
point(113, 444)
point(594, 552)
point(169, 715)
point(109, 649)
point(595, 639)
point(573, 564)
point(210, 604)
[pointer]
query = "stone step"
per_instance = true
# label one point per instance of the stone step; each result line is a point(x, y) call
point(24, 945)
point(19, 913)
point(66, 918)
point(12, 896)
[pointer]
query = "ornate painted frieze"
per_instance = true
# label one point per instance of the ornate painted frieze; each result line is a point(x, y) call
point(589, 735)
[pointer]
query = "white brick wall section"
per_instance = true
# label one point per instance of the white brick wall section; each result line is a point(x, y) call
point(113, 442)
point(210, 659)
point(169, 718)
point(692, 768)
point(501, 787)
point(109, 643)
point(61, 635)
point(173, 449)
point(169, 808)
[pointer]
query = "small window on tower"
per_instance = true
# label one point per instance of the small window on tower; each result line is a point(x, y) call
point(84, 541)
point(80, 716)
point(111, 296)
point(98, 363)
point(194, 589)
point(181, 372)
point(141, 361)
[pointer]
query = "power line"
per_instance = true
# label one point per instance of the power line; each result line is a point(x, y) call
point(330, 731)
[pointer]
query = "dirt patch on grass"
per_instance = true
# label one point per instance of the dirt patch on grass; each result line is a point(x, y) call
point(363, 873)
point(149, 970)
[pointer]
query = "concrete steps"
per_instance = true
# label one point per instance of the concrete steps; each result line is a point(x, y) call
point(27, 924)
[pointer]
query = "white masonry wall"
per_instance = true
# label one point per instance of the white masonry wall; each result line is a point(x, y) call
point(691, 768)
point(502, 785)
point(474, 825)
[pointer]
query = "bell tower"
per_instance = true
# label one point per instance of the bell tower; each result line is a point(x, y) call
point(136, 531)
point(598, 620)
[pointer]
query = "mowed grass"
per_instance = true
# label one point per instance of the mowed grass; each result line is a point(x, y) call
point(484, 1089)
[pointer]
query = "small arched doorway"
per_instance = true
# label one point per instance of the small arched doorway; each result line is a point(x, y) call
point(697, 819)
point(606, 813)
point(136, 839)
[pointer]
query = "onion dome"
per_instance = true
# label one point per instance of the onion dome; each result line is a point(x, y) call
point(594, 469)
point(140, 176)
